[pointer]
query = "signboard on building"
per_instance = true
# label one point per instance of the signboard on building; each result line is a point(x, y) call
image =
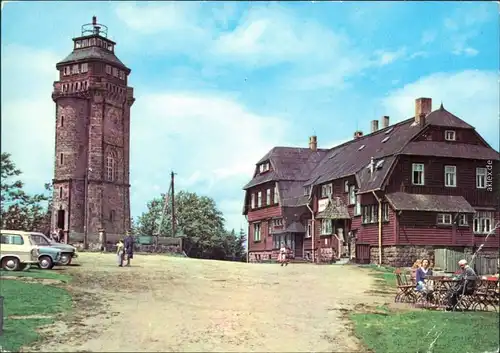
point(322, 204)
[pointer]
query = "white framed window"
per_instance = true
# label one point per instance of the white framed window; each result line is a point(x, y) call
point(66, 71)
point(75, 69)
point(261, 168)
point(481, 178)
point(326, 226)
point(346, 186)
point(444, 218)
point(309, 229)
point(115, 72)
point(276, 198)
point(385, 212)
point(326, 190)
point(417, 171)
point(268, 197)
point(450, 135)
point(78, 44)
point(482, 222)
point(352, 195)
point(122, 75)
point(357, 206)
point(252, 202)
point(462, 220)
point(256, 232)
point(259, 199)
point(110, 168)
point(108, 69)
point(85, 43)
point(450, 176)
point(84, 67)
point(370, 214)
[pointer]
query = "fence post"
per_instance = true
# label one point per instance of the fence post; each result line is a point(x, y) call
point(1, 316)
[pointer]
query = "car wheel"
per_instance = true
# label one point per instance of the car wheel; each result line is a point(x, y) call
point(45, 262)
point(65, 259)
point(11, 264)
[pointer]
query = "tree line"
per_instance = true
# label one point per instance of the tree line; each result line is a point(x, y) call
point(198, 220)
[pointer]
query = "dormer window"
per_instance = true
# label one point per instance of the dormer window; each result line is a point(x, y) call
point(264, 167)
point(450, 135)
point(326, 190)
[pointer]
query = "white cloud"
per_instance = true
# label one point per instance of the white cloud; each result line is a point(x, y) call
point(470, 95)
point(28, 113)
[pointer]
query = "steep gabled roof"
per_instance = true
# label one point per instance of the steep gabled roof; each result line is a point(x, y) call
point(288, 163)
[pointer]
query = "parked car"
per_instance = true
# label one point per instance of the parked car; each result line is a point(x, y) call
point(68, 252)
point(16, 250)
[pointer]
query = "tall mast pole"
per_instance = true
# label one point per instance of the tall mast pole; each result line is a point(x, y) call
point(173, 203)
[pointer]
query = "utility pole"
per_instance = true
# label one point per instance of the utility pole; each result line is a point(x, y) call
point(172, 174)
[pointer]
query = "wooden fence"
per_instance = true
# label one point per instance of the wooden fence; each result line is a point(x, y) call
point(447, 260)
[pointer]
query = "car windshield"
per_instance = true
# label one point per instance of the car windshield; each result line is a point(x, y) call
point(39, 239)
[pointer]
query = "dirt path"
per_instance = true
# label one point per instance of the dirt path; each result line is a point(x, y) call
point(176, 304)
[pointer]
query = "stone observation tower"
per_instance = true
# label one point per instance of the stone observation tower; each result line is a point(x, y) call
point(91, 172)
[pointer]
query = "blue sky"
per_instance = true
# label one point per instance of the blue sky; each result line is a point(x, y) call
point(219, 84)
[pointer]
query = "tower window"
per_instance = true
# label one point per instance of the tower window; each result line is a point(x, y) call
point(61, 159)
point(122, 75)
point(108, 69)
point(85, 43)
point(75, 69)
point(110, 168)
point(115, 72)
point(84, 67)
point(61, 119)
point(60, 192)
point(78, 44)
point(66, 71)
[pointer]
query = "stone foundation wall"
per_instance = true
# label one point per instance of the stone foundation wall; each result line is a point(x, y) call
point(403, 256)
point(260, 256)
point(326, 255)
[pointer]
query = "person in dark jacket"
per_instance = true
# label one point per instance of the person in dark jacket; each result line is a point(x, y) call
point(129, 248)
point(467, 282)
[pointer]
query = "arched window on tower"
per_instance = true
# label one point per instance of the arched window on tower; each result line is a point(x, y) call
point(110, 168)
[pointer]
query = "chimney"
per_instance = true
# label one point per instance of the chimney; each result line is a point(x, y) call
point(420, 120)
point(374, 125)
point(385, 121)
point(358, 134)
point(313, 143)
point(94, 20)
point(422, 106)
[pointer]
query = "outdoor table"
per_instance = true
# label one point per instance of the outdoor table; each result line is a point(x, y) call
point(442, 287)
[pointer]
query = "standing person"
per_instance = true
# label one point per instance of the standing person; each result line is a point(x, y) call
point(120, 252)
point(282, 255)
point(55, 235)
point(129, 248)
point(60, 234)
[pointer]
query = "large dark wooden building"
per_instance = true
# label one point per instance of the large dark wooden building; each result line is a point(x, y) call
point(391, 196)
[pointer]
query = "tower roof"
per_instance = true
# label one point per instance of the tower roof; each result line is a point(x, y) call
point(93, 44)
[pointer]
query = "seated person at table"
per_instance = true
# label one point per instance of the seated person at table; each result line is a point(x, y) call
point(422, 272)
point(467, 282)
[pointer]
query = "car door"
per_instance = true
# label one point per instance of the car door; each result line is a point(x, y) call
point(14, 244)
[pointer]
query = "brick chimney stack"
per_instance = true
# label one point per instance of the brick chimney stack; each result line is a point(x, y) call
point(420, 120)
point(358, 134)
point(313, 143)
point(385, 121)
point(422, 106)
point(374, 125)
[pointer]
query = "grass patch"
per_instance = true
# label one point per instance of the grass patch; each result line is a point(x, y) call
point(415, 331)
point(37, 273)
point(386, 279)
point(27, 299)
